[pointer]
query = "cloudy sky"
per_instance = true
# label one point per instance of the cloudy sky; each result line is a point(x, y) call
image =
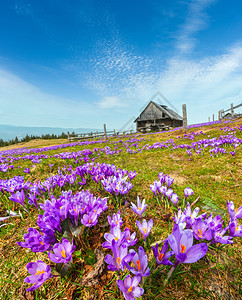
point(83, 63)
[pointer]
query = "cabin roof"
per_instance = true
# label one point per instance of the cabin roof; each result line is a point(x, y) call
point(163, 109)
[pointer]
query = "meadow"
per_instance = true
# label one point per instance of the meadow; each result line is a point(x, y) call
point(72, 208)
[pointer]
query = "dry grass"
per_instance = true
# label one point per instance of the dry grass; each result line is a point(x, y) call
point(37, 143)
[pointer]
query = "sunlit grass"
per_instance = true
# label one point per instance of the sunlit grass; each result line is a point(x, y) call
point(215, 179)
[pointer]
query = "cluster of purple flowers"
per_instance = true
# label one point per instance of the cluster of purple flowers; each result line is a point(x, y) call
point(209, 228)
point(181, 244)
point(203, 227)
point(65, 213)
point(144, 227)
point(216, 144)
point(114, 180)
point(184, 242)
point(13, 184)
point(117, 185)
point(162, 190)
point(132, 145)
point(62, 217)
point(122, 257)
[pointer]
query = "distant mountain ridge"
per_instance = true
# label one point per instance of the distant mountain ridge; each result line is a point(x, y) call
point(9, 132)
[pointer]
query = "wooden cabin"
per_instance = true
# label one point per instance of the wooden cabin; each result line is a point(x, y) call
point(156, 117)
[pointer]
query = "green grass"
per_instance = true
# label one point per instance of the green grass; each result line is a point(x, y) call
point(214, 179)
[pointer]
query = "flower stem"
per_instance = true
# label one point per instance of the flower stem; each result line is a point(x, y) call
point(168, 276)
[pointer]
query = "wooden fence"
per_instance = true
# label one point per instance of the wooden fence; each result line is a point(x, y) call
point(221, 113)
point(97, 134)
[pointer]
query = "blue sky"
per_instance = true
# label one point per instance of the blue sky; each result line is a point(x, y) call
point(83, 63)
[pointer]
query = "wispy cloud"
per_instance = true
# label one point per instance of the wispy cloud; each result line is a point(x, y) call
point(115, 66)
point(206, 83)
point(111, 103)
point(122, 78)
point(196, 20)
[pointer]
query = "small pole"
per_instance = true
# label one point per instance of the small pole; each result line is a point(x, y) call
point(222, 113)
point(68, 136)
point(232, 109)
point(114, 131)
point(184, 112)
point(208, 119)
point(213, 117)
point(105, 131)
point(219, 115)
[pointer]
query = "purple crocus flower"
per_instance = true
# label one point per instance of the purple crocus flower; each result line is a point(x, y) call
point(26, 170)
point(153, 188)
point(189, 152)
point(62, 252)
point(169, 193)
point(169, 181)
point(156, 187)
point(4, 167)
point(34, 241)
point(181, 242)
point(131, 174)
point(234, 213)
point(40, 272)
point(117, 235)
point(18, 197)
point(218, 237)
point(120, 255)
point(162, 257)
point(216, 223)
point(130, 239)
point(163, 190)
point(188, 192)
point(180, 218)
point(140, 261)
point(145, 227)
point(191, 217)
point(50, 221)
point(116, 220)
point(140, 208)
point(202, 230)
point(174, 199)
point(162, 177)
point(32, 200)
point(129, 287)
point(234, 229)
point(90, 219)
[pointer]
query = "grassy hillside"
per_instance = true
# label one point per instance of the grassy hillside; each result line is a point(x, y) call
point(208, 159)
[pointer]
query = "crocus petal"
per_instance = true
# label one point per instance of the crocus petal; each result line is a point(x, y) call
point(196, 252)
point(187, 239)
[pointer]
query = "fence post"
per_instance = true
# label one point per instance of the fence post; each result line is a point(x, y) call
point(222, 114)
point(105, 131)
point(68, 136)
point(213, 117)
point(114, 132)
point(184, 112)
point(232, 109)
point(208, 119)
